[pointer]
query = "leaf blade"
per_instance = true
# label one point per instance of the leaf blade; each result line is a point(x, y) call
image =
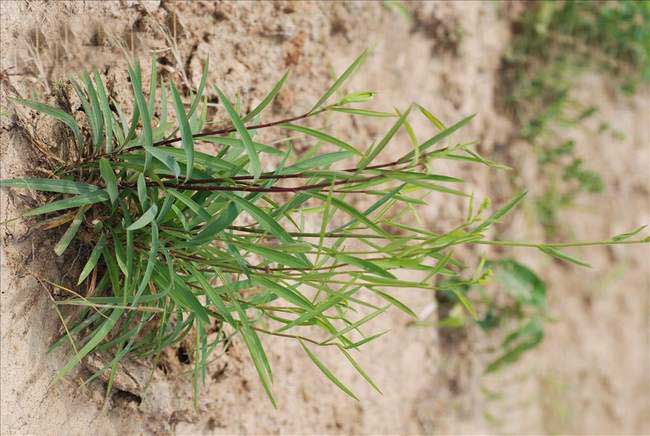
point(342, 78)
point(245, 136)
point(146, 218)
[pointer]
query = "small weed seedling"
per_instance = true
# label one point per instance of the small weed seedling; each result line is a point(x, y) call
point(186, 245)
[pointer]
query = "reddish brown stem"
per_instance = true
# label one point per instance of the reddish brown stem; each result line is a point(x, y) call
point(195, 187)
point(281, 176)
point(226, 130)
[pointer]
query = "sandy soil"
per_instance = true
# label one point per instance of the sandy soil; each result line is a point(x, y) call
point(592, 373)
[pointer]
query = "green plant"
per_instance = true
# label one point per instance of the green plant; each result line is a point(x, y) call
point(568, 35)
point(185, 245)
point(554, 43)
point(526, 307)
point(518, 305)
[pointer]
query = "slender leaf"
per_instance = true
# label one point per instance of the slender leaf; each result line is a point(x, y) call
point(92, 259)
point(145, 219)
point(563, 256)
point(57, 114)
point(109, 178)
point(268, 99)
point(70, 233)
point(106, 111)
point(327, 372)
point(322, 136)
point(50, 185)
point(68, 203)
point(342, 78)
point(256, 168)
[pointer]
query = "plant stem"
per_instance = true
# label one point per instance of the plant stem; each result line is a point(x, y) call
point(195, 187)
point(481, 242)
point(561, 244)
point(231, 129)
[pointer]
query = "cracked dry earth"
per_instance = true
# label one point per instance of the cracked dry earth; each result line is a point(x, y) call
point(592, 373)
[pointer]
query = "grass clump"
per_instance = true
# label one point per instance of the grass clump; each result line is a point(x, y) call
point(190, 246)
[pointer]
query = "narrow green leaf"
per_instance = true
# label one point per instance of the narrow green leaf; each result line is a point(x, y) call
point(465, 302)
point(263, 219)
point(57, 114)
point(359, 369)
point(374, 151)
point(151, 262)
point(501, 212)
point(181, 217)
point(96, 114)
point(68, 203)
point(211, 163)
point(50, 185)
point(320, 161)
point(184, 297)
point(256, 168)
point(106, 111)
point(364, 341)
point(627, 235)
point(153, 84)
point(135, 118)
point(342, 78)
point(199, 91)
point(322, 136)
point(210, 231)
point(364, 264)
point(166, 158)
point(145, 219)
point(260, 361)
point(212, 294)
point(326, 371)
point(235, 142)
point(88, 112)
point(166, 207)
point(147, 131)
point(268, 99)
point(435, 121)
point(563, 256)
point(395, 302)
point(109, 178)
point(356, 97)
point(193, 205)
point(356, 324)
point(97, 337)
point(289, 294)
point(352, 212)
point(186, 131)
point(92, 259)
point(362, 112)
point(142, 191)
point(279, 257)
point(438, 137)
point(319, 309)
point(70, 233)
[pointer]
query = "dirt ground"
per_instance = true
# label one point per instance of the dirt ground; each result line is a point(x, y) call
point(590, 376)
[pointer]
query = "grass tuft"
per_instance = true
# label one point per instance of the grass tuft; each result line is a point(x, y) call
point(225, 245)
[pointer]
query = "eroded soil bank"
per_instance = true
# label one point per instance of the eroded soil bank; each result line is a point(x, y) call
point(592, 373)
